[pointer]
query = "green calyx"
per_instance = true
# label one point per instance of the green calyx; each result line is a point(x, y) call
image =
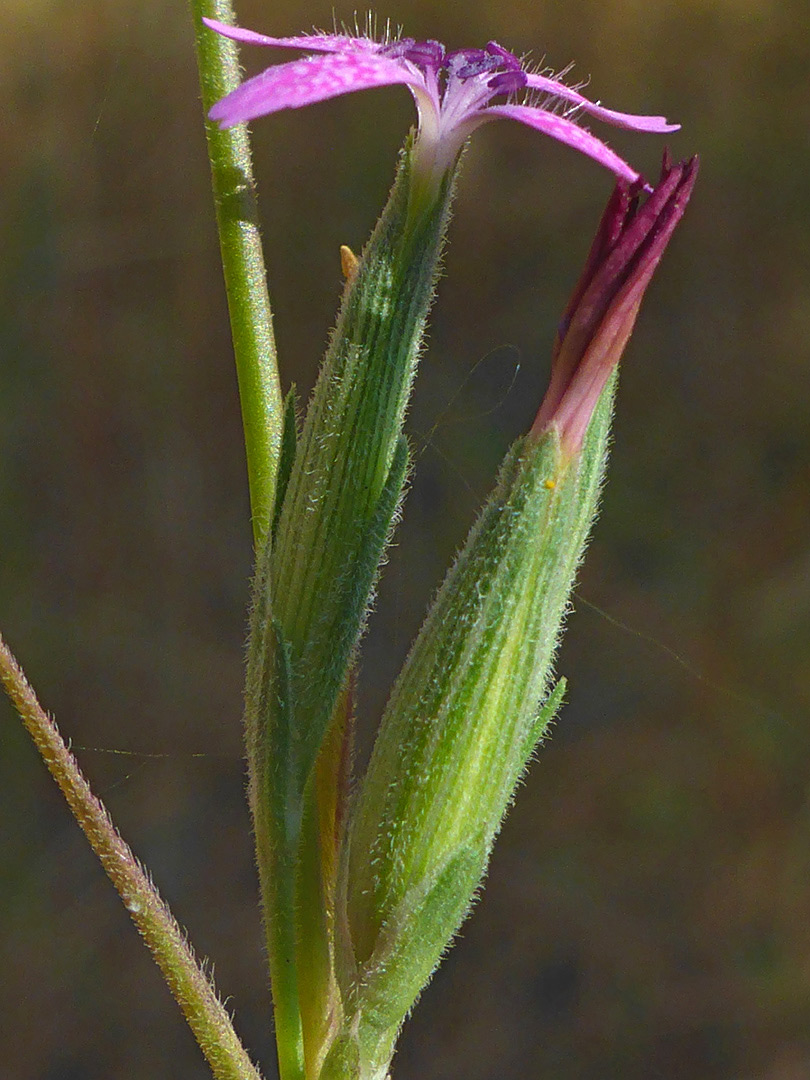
point(340, 484)
point(350, 465)
point(463, 720)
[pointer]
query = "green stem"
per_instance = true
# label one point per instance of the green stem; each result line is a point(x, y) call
point(191, 987)
point(243, 267)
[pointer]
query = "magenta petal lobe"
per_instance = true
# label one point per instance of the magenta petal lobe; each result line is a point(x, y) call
point(309, 42)
point(303, 82)
point(566, 131)
point(655, 124)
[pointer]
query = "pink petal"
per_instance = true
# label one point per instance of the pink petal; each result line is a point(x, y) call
point(566, 131)
point(610, 116)
point(311, 42)
point(303, 82)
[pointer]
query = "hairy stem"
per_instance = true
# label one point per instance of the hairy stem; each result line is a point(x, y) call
point(191, 987)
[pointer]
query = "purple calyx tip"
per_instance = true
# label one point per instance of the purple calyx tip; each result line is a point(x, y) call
point(601, 313)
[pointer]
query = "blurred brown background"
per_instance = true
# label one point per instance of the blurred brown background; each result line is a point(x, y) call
point(647, 915)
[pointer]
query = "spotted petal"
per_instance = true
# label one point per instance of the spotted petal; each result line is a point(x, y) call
point(610, 116)
point(303, 82)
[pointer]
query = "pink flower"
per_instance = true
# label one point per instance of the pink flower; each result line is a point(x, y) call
point(455, 92)
point(601, 313)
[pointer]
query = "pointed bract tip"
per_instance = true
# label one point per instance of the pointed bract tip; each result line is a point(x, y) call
point(349, 263)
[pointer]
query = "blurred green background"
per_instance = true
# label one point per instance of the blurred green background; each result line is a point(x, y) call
point(647, 915)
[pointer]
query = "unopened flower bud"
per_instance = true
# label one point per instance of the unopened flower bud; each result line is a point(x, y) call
point(602, 311)
point(473, 700)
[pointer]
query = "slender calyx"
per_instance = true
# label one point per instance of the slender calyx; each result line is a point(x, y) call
point(455, 92)
point(339, 496)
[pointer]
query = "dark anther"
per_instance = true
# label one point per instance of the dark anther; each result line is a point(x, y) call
point(425, 53)
point(467, 63)
point(507, 59)
point(398, 48)
point(507, 82)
